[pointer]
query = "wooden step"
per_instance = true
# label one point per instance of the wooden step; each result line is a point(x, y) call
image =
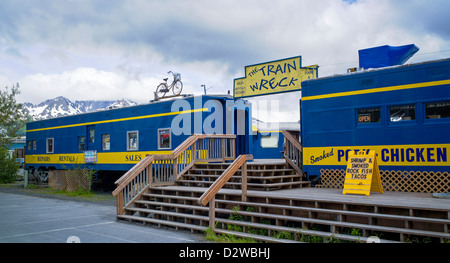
point(310, 209)
point(199, 169)
point(336, 212)
point(150, 195)
point(205, 219)
point(180, 204)
point(252, 186)
point(332, 223)
point(168, 213)
point(250, 177)
point(256, 237)
point(299, 231)
point(175, 205)
point(250, 165)
point(159, 222)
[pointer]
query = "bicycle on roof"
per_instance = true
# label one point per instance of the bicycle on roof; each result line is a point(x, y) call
point(176, 86)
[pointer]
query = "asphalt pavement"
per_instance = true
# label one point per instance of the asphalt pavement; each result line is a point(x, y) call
point(30, 219)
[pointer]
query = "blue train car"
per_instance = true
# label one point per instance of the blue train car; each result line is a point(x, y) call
point(115, 140)
point(401, 112)
point(268, 140)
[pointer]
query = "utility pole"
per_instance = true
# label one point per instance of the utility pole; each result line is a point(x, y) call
point(204, 88)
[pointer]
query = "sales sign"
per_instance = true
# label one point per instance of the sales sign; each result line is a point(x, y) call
point(362, 174)
point(273, 77)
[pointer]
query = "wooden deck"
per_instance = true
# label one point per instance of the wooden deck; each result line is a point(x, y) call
point(393, 199)
point(324, 213)
point(387, 199)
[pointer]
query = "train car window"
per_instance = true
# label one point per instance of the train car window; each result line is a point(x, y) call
point(369, 115)
point(164, 139)
point(106, 142)
point(29, 145)
point(132, 140)
point(81, 143)
point(34, 145)
point(50, 145)
point(438, 110)
point(91, 135)
point(269, 141)
point(402, 113)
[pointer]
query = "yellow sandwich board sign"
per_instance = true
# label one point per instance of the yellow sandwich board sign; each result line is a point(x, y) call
point(273, 77)
point(362, 175)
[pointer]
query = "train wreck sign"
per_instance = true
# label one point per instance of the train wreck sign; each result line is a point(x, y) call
point(273, 77)
point(362, 174)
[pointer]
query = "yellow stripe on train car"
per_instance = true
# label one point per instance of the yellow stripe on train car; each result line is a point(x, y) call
point(107, 157)
point(121, 119)
point(388, 155)
point(375, 90)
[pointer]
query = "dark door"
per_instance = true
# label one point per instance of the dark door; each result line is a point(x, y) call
point(90, 137)
point(241, 129)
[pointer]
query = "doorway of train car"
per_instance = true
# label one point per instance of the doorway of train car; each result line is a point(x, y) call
point(242, 131)
point(90, 135)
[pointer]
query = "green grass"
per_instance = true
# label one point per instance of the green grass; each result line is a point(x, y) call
point(80, 194)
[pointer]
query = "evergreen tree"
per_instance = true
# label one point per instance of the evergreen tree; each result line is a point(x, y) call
point(12, 120)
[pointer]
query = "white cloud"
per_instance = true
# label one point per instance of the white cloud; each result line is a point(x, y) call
point(85, 84)
point(122, 49)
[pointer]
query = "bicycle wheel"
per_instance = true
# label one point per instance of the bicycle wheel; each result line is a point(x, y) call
point(161, 90)
point(177, 88)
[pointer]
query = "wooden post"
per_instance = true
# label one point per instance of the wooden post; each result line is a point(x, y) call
point(223, 149)
point(212, 213)
point(150, 174)
point(175, 170)
point(194, 152)
point(244, 182)
point(119, 203)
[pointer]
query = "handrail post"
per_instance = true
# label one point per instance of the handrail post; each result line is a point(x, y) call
point(212, 213)
point(244, 182)
point(175, 170)
point(223, 149)
point(119, 201)
point(194, 152)
point(150, 174)
point(293, 151)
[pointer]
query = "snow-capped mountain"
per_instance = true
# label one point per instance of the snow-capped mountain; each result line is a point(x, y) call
point(61, 106)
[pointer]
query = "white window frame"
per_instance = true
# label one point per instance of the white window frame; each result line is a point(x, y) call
point(170, 139)
point(269, 138)
point(103, 142)
point(128, 141)
point(79, 143)
point(53, 145)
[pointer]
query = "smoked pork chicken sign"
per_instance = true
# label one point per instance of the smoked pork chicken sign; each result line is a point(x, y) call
point(273, 77)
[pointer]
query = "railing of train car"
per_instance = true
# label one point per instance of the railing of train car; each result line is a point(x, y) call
point(293, 151)
point(159, 170)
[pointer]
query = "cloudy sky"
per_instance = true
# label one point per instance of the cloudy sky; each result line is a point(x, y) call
point(114, 49)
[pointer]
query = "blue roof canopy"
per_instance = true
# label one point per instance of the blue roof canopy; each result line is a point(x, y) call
point(385, 56)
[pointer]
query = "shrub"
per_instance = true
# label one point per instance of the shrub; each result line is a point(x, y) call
point(8, 167)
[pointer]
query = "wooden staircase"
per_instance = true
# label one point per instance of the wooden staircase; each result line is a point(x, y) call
point(260, 176)
point(273, 219)
point(250, 200)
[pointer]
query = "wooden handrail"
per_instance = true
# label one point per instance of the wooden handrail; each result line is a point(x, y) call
point(166, 169)
point(222, 180)
point(184, 145)
point(175, 153)
point(292, 153)
point(292, 139)
point(123, 181)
